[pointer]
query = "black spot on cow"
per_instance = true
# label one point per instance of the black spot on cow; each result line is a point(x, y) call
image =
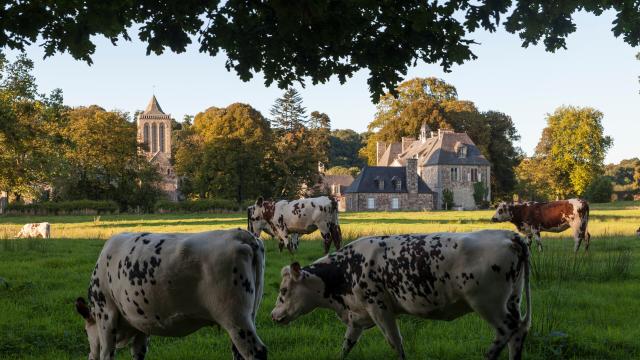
point(495, 268)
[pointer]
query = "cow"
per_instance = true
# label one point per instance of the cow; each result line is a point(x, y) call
point(35, 230)
point(531, 218)
point(295, 218)
point(439, 276)
point(638, 232)
point(172, 285)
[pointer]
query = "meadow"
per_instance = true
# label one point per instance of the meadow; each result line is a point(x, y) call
point(584, 307)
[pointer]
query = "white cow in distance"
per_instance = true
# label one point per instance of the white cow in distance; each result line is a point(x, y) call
point(35, 230)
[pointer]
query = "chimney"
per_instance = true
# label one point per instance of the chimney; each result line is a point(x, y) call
point(381, 147)
point(412, 175)
point(406, 142)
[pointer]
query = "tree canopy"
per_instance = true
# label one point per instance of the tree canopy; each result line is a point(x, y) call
point(570, 154)
point(292, 41)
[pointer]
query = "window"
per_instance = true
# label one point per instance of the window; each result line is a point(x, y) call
point(396, 183)
point(474, 175)
point(395, 203)
point(371, 203)
point(378, 183)
point(161, 137)
point(454, 174)
point(154, 138)
point(145, 136)
point(462, 151)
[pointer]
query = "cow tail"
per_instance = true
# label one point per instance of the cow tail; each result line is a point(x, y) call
point(258, 267)
point(525, 260)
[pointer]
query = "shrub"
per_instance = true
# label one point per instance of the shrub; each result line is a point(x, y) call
point(204, 205)
point(74, 207)
point(447, 199)
point(480, 192)
point(600, 190)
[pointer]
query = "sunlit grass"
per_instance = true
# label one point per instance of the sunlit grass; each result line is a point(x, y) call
point(584, 306)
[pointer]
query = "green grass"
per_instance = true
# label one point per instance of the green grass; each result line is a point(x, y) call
point(584, 307)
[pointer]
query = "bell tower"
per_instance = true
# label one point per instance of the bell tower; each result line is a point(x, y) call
point(154, 131)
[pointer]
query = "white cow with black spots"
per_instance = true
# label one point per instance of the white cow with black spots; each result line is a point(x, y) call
point(438, 276)
point(35, 230)
point(304, 216)
point(172, 285)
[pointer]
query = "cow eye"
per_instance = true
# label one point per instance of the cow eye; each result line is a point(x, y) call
point(283, 291)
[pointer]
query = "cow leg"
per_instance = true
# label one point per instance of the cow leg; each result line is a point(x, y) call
point(107, 334)
point(326, 236)
point(538, 240)
point(245, 343)
point(351, 338)
point(139, 346)
point(506, 322)
point(387, 323)
point(336, 235)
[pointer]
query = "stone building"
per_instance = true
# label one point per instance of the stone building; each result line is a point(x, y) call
point(446, 160)
point(154, 131)
point(389, 188)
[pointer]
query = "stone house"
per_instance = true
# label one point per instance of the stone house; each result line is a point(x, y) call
point(389, 188)
point(335, 185)
point(446, 160)
point(154, 131)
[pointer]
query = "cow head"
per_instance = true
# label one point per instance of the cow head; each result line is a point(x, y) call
point(638, 232)
point(299, 291)
point(258, 216)
point(504, 212)
point(90, 328)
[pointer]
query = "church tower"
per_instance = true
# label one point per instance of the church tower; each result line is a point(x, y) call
point(154, 131)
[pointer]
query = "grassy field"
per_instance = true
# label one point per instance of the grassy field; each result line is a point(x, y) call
point(584, 307)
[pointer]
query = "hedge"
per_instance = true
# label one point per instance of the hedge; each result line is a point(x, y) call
point(76, 207)
point(205, 205)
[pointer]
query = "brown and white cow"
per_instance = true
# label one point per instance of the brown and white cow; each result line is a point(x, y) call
point(297, 217)
point(35, 230)
point(533, 217)
point(439, 276)
point(172, 285)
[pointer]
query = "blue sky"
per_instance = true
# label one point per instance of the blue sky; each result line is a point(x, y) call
point(596, 70)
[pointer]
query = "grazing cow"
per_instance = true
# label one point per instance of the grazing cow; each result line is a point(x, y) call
point(438, 276)
point(35, 230)
point(297, 217)
point(557, 216)
point(172, 285)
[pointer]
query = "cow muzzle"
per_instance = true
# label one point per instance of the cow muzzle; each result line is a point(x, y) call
point(494, 220)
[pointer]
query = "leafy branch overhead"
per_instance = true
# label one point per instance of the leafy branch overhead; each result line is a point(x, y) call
point(290, 41)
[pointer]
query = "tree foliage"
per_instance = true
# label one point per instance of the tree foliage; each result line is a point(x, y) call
point(103, 161)
point(235, 155)
point(288, 114)
point(30, 130)
point(570, 154)
point(344, 149)
point(291, 41)
point(435, 103)
point(599, 190)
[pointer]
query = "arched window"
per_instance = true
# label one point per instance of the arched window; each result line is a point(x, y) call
point(145, 136)
point(154, 138)
point(161, 137)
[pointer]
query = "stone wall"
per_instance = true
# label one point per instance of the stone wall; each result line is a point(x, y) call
point(439, 178)
point(383, 201)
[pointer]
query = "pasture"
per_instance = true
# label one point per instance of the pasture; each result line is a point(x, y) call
point(584, 307)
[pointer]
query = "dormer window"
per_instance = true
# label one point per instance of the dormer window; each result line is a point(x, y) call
point(396, 183)
point(462, 151)
point(379, 183)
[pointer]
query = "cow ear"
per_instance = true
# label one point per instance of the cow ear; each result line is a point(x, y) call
point(296, 271)
point(83, 309)
point(259, 201)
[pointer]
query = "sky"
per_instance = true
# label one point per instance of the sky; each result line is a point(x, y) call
point(597, 70)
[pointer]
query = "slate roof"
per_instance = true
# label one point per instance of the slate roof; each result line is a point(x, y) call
point(153, 109)
point(365, 182)
point(441, 150)
point(390, 154)
point(342, 180)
